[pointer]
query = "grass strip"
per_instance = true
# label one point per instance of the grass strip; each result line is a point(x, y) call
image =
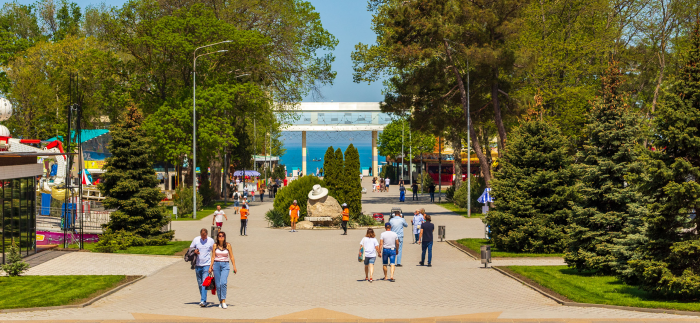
point(204, 212)
point(456, 209)
point(169, 249)
point(475, 245)
point(586, 287)
point(42, 291)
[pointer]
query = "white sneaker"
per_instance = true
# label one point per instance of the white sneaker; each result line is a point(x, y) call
point(219, 305)
point(224, 306)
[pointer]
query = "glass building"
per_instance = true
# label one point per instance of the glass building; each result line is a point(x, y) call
point(18, 208)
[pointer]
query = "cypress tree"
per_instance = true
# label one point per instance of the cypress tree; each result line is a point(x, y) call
point(338, 190)
point(352, 182)
point(599, 217)
point(532, 190)
point(668, 263)
point(329, 169)
point(130, 183)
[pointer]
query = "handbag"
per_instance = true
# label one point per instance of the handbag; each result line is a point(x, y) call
point(209, 282)
point(361, 256)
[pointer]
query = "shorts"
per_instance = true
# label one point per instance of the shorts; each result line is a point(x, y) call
point(236, 204)
point(369, 260)
point(387, 185)
point(388, 256)
point(219, 224)
point(294, 218)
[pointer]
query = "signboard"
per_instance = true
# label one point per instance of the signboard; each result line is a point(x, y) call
point(94, 164)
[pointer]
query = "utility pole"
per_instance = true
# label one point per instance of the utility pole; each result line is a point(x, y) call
point(439, 170)
point(469, 150)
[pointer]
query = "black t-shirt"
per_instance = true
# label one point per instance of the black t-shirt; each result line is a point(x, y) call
point(414, 187)
point(432, 188)
point(427, 228)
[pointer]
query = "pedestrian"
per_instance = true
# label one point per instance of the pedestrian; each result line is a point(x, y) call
point(387, 180)
point(203, 246)
point(219, 216)
point(414, 188)
point(345, 219)
point(244, 221)
point(389, 240)
point(417, 221)
point(381, 184)
point(402, 193)
point(426, 238)
point(374, 184)
point(262, 194)
point(432, 192)
point(371, 249)
point(245, 191)
point(397, 224)
point(236, 201)
point(252, 195)
point(220, 267)
point(294, 215)
point(361, 177)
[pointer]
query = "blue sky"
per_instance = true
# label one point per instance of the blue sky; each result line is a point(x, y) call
point(350, 22)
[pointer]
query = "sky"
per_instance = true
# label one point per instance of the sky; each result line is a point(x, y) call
point(350, 22)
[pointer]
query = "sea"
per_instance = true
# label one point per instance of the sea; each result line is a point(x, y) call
point(318, 142)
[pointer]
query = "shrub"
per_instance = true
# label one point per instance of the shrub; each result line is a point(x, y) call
point(296, 190)
point(366, 220)
point(461, 197)
point(15, 266)
point(450, 193)
point(425, 182)
point(277, 219)
point(111, 241)
point(183, 200)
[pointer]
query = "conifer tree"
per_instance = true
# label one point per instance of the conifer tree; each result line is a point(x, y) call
point(338, 191)
point(15, 266)
point(532, 190)
point(130, 183)
point(668, 263)
point(352, 182)
point(329, 170)
point(599, 217)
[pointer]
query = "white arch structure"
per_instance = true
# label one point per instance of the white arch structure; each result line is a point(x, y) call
point(338, 116)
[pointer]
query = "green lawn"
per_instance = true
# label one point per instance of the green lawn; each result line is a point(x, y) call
point(169, 249)
point(475, 245)
point(42, 291)
point(456, 209)
point(204, 212)
point(588, 288)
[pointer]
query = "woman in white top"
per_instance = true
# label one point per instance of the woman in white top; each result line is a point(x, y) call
point(220, 267)
point(417, 221)
point(371, 246)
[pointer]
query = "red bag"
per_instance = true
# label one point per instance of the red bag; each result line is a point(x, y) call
point(210, 284)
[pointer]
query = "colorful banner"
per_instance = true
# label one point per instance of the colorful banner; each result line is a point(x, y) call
point(94, 164)
point(48, 238)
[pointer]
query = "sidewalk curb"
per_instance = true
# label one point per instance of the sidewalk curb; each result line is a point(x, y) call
point(614, 307)
point(87, 303)
point(454, 245)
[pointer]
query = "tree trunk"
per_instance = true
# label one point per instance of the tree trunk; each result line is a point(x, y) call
point(215, 166)
point(168, 185)
point(497, 113)
point(190, 172)
point(457, 146)
point(483, 164)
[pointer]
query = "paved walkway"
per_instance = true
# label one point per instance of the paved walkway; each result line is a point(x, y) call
point(284, 275)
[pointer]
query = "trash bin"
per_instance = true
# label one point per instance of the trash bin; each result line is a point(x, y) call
point(485, 255)
point(441, 232)
point(214, 232)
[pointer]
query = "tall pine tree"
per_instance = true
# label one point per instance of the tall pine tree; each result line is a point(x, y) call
point(668, 263)
point(129, 182)
point(532, 190)
point(599, 217)
point(352, 182)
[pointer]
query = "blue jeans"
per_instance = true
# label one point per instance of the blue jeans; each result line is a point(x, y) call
point(398, 255)
point(202, 272)
point(252, 198)
point(427, 246)
point(432, 196)
point(221, 270)
point(417, 237)
point(388, 257)
point(402, 196)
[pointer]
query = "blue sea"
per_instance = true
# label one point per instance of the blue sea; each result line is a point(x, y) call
point(318, 142)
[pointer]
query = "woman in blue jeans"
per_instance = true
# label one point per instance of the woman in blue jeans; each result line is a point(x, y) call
point(219, 266)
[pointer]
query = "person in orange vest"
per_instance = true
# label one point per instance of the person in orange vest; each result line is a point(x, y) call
point(294, 215)
point(346, 218)
point(244, 221)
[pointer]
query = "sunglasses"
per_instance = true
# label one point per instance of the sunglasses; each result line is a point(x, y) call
point(221, 236)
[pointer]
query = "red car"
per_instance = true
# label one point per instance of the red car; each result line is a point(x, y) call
point(379, 217)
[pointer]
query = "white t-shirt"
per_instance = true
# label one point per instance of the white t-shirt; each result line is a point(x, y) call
point(205, 248)
point(370, 245)
point(386, 181)
point(219, 216)
point(389, 239)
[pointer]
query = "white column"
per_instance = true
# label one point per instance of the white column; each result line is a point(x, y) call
point(375, 157)
point(303, 152)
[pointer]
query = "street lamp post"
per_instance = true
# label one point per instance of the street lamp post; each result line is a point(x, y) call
point(194, 123)
point(469, 150)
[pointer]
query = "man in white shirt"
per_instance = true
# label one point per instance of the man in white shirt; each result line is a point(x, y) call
point(386, 182)
point(417, 221)
point(203, 248)
point(389, 241)
point(219, 216)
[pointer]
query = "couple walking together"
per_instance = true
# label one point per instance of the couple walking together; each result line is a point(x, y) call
point(212, 259)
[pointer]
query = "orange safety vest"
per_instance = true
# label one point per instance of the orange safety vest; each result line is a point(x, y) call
point(346, 214)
